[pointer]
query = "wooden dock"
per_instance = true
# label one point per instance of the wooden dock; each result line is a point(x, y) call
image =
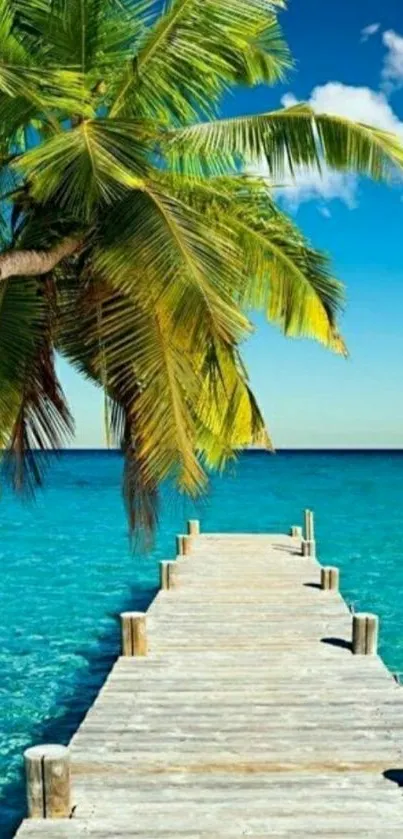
point(250, 716)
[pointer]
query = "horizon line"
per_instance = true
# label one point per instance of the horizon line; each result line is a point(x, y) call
point(251, 450)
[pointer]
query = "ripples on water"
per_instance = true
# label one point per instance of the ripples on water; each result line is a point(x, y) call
point(67, 572)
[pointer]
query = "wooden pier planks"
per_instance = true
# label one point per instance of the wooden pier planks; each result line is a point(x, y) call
point(249, 717)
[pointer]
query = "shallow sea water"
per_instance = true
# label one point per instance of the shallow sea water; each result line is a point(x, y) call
point(67, 572)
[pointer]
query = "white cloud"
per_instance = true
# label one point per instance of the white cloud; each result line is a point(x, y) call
point(392, 73)
point(369, 30)
point(357, 103)
point(288, 100)
point(326, 186)
point(324, 211)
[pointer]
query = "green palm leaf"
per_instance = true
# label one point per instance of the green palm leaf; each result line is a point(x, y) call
point(192, 52)
point(227, 411)
point(167, 243)
point(136, 238)
point(281, 274)
point(92, 163)
point(33, 412)
point(287, 139)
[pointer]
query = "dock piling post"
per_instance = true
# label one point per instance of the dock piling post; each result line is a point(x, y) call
point(134, 634)
point(166, 569)
point(184, 545)
point(48, 782)
point(309, 526)
point(296, 531)
point(329, 579)
point(308, 548)
point(365, 634)
point(193, 527)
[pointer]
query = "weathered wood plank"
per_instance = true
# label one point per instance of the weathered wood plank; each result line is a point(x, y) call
point(250, 716)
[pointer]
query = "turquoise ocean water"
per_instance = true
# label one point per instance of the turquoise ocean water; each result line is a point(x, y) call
point(67, 572)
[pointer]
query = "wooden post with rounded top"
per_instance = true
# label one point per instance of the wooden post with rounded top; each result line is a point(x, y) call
point(184, 545)
point(296, 531)
point(308, 548)
point(48, 782)
point(365, 634)
point(134, 634)
point(193, 527)
point(166, 575)
point(329, 579)
point(309, 526)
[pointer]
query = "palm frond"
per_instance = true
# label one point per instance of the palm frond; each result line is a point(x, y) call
point(170, 388)
point(281, 273)
point(42, 422)
point(157, 236)
point(178, 240)
point(21, 322)
point(27, 75)
point(287, 139)
point(149, 381)
point(288, 278)
point(83, 34)
point(194, 50)
point(78, 339)
point(33, 412)
point(91, 163)
point(141, 499)
point(227, 412)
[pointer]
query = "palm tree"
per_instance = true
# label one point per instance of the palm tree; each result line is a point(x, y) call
point(135, 236)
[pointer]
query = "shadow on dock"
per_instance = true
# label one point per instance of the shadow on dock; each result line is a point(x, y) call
point(288, 549)
point(394, 775)
point(60, 729)
point(337, 642)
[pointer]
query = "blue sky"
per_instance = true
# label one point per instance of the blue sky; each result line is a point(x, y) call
point(309, 397)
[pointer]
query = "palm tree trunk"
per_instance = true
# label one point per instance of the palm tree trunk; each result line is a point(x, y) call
point(32, 262)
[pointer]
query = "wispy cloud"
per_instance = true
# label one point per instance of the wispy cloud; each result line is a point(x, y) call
point(392, 72)
point(369, 30)
point(308, 184)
